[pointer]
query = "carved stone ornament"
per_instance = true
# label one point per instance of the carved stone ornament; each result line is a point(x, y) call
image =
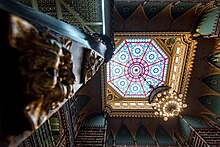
point(45, 66)
point(93, 62)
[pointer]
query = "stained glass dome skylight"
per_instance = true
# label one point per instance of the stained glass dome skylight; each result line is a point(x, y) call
point(142, 63)
point(136, 65)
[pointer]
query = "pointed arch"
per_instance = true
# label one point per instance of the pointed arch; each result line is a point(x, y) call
point(214, 59)
point(213, 82)
point(137, 21)
point(186, 20)
point(162, 21)
point(143, 137)
point(180, 8)
point(81, 102)
point(152, 9)
point(163, 137)
point(126, 8)
point(211, 102)
point(123, 136)
point(110, 139)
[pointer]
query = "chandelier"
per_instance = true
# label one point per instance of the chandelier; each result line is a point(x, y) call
point(167, 102)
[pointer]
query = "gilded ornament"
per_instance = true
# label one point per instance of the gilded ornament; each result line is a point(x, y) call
point(45, 66)
point(180, 49)
point(93, 62)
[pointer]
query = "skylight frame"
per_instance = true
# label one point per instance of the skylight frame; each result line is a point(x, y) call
point(140, 107)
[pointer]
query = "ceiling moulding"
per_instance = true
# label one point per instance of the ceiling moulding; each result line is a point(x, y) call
point(178, 49)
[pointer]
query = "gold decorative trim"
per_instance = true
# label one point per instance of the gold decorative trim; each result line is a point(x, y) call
point(45, 68)
point(149, 34)
point(189, 57)
point(181, 55)
point(93, 61)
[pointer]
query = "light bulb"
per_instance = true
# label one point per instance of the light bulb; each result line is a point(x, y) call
point(184, 105)
point(165, 118)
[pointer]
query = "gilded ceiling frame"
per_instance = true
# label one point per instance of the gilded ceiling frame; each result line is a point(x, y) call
point(186, 53)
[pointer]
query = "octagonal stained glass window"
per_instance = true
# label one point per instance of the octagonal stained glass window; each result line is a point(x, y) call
point(137, 65)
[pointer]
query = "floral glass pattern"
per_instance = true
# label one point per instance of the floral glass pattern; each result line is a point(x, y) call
point(137, 65)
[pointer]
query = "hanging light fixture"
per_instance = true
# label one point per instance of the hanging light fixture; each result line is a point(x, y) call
point(167, 102)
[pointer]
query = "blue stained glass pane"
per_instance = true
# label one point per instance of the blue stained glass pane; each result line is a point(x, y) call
point(120, 85)
point(137, 51)
point(134, 89)
point(137, 64)
point(122, 56)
